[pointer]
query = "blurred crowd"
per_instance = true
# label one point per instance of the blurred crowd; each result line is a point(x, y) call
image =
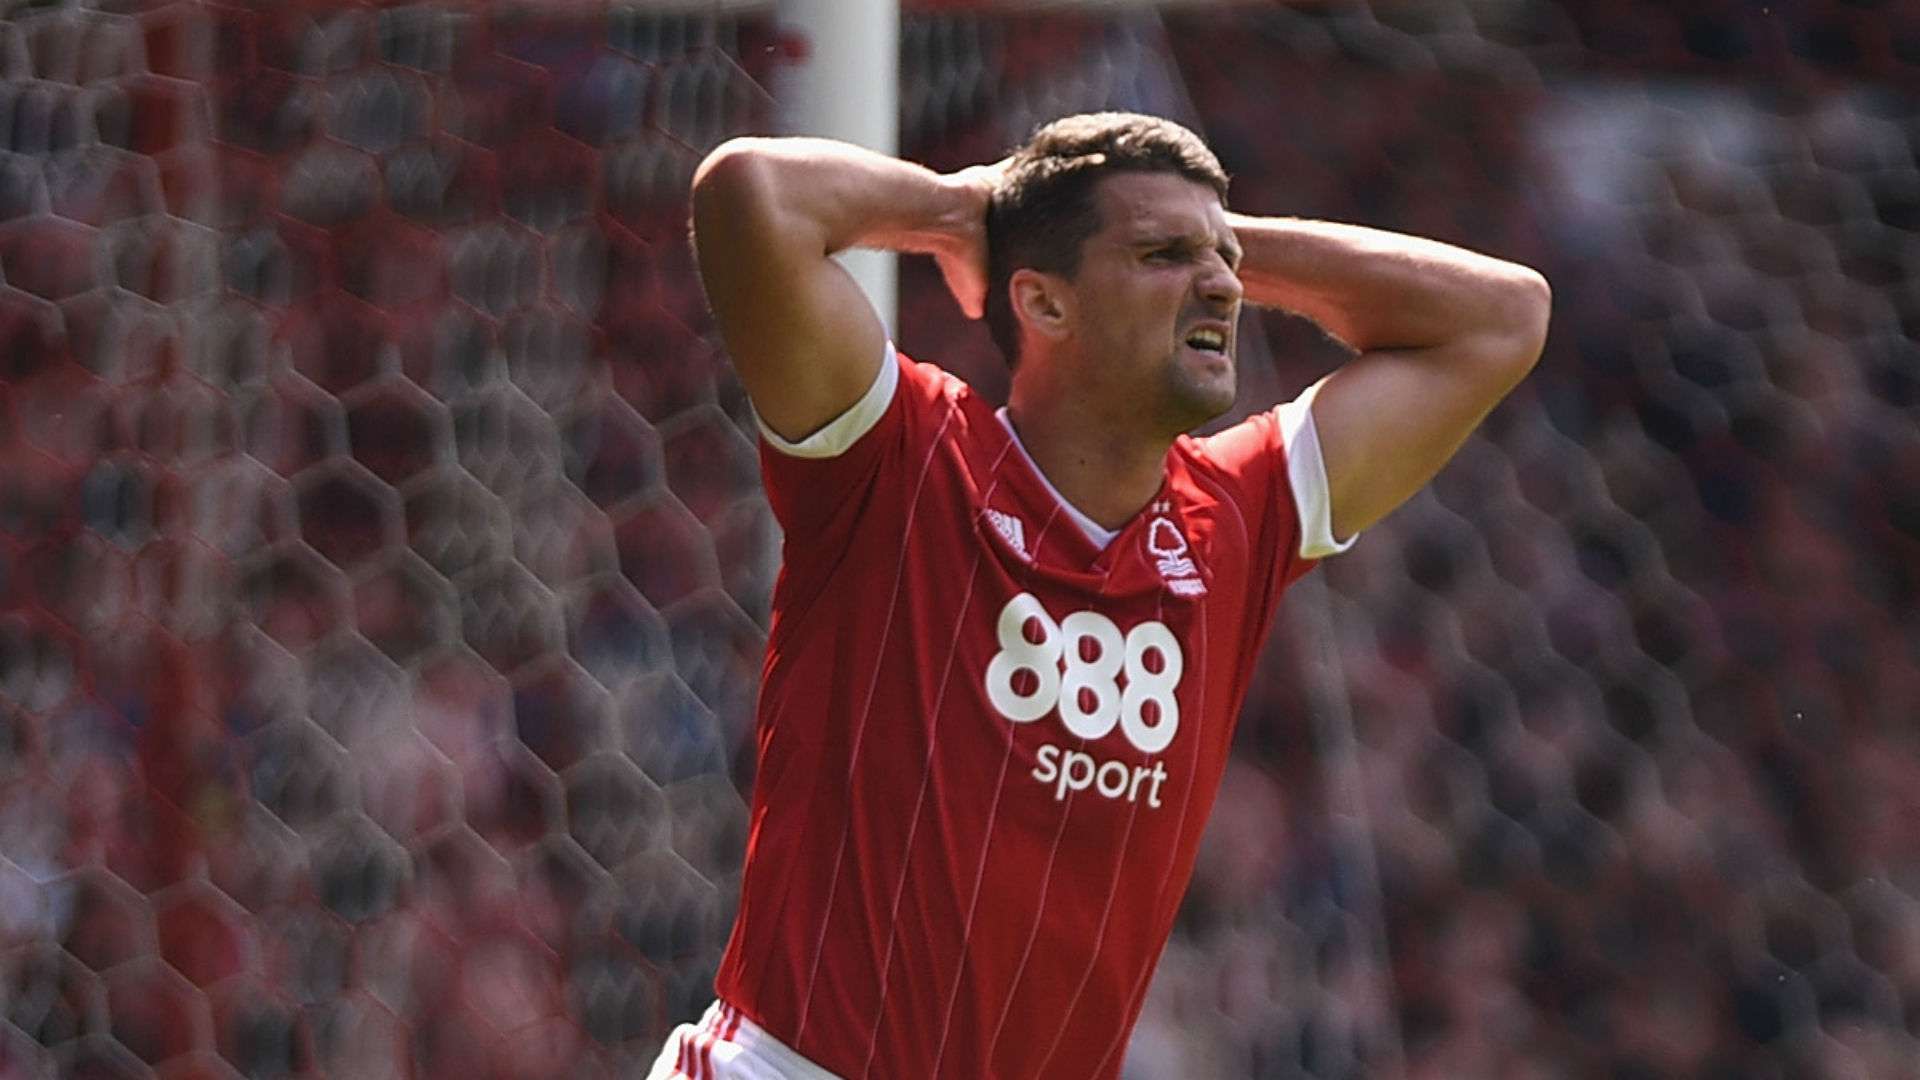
point(383, 567)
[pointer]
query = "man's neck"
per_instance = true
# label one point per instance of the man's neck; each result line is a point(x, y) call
point(1094, 463)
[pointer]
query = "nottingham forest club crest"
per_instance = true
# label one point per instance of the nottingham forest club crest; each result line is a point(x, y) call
point(1169, 550)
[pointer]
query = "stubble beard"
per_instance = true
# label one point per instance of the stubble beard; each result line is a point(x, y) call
point(1194, 397)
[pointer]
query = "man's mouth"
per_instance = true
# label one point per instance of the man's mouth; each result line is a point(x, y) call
point(1208, 340)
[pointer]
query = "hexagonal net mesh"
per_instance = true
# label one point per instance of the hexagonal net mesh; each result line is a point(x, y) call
point(382, 562)
point(383, 557)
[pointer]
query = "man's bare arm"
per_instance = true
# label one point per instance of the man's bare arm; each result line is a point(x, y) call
point(768, 213)
point(1443, 334)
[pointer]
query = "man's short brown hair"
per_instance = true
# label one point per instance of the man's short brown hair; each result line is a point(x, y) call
point(1043, 209)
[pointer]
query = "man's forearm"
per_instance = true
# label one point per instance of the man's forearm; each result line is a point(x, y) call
point(843, 196)
point(1375, 289)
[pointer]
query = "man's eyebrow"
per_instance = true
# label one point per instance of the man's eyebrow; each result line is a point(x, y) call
point(1228, 246)
point(1168, 239)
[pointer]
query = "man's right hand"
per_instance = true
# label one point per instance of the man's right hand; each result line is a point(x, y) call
point(768, 214)
point(962, 257)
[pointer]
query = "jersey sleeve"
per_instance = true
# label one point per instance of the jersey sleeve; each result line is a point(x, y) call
point(1271, 463)
point(824, 479)
point(1307, 478)
point(844, 430)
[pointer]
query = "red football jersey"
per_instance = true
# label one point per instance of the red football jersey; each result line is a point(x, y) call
point(987, 746)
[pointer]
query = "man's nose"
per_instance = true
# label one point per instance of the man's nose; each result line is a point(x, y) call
point(1218, 284)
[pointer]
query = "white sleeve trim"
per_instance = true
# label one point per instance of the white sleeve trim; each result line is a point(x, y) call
point(844, 430)
point(1307, 475)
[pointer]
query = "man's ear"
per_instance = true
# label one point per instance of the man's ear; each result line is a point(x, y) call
point(1041, 301)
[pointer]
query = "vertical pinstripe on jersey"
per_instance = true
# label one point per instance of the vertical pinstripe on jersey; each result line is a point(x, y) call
point(866, 710)
point(1226, 498)
point(1166, 875)
point(1046, 883)
point(926, 778)
point(986, 845)
point(1113, 886)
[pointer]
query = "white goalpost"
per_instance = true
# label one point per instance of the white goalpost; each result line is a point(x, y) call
point(846, 85)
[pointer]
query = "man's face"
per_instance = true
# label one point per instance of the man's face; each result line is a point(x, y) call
point(1156, 299)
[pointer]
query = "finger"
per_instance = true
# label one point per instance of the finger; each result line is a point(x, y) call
point(971, 303)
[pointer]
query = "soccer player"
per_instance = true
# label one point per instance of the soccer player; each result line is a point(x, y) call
point(1008, 646)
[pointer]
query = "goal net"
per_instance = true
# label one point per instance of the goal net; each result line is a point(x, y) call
point(384, 565)
point(383, 568)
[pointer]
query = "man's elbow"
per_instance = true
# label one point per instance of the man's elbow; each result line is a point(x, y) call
point(1524, 311)
point(1536, 301)
point(734, 176)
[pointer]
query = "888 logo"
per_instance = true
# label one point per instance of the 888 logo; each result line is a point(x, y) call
point(1095, 678)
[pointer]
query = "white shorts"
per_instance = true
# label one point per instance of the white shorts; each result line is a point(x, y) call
point(725, 1045)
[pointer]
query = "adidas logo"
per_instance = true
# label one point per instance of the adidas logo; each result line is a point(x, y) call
point(1009, 527)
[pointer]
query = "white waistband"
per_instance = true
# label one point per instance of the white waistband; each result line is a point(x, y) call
point(754, 1040)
